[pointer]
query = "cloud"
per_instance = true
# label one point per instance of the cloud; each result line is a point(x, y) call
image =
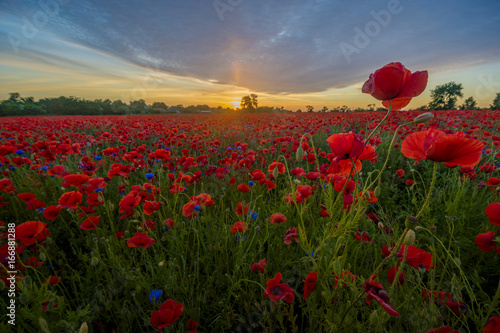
point(275, 47)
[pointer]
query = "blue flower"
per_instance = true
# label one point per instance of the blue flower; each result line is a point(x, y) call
point(309, 254)
point(244, 238)
point(40, 210)
point(154, 296)
point(250, 183)
point(45, 168)
point(197, 207)
point(149, 175)
point(20, 152)
point(114, 154)
point(97, 158)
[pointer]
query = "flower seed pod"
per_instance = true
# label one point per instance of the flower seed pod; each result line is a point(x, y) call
point(94, 261)
point(423, 118)
point(410, 237)
point(337, 269)
point(275, 173)
point(84, 328)
point(299, 154)
point(411, 222)
point(377, 191)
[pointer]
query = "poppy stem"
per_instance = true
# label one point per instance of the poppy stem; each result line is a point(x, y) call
point(380, 123)
point(433, 181)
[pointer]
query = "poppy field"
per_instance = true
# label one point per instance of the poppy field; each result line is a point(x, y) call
point(317, 222)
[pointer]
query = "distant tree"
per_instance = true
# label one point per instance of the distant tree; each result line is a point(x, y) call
point(381, 109)
point(444, 97)
point(159, 105)
point(324, 109)
point(246, 103)
point(345, 108)
point(255, 103)
point(14, 97)
point(496, 103)
point(422, 108)
point(310, 108)
point(299, 111)
point(371, 107)
point(469, 104)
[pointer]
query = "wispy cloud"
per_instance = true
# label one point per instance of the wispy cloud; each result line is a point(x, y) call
point(273, 47)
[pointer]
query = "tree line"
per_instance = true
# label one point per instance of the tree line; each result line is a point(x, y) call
point(443, 97)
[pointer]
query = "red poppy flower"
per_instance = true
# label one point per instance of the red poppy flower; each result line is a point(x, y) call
point(278, 218)
point(415, 257)
point(276, 291)
point(53, 280)
point(270, 185)
point(343, 279)
point(280, 166)
point(241, 210)
point(493, 213)
point(375, 290)
point(486, 242)
point(188, 209)
point(168, 314)
point(400, 173)
point(291, 234)
point(395, 83)
point(70, 200)
point(32, 231)
point(435, 145)
point(90, 223)
point(151, 207)
point(26, 197)
point(442, 329)
point(119, 235)
point(409, 182)
point(75, 180)
point(243, 188)
point(492, 325)
point(346, 145)
point(239, 227)
point(191, 325)
point(140, 239)
point(391, 275)
point(310, 284)
point(260, 265)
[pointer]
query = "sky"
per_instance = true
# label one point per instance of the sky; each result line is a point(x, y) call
point(291, 53)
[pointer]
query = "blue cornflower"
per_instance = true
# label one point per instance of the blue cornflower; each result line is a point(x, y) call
point(154, 296)
point(149, 175)
point(215, 149)
point(239, 147)
point(197, 207)
point(19, 151)
point(97, 190)
point(250, 183)
point(40, 210)
point(309, 254)
point(97, 158)
point(12, 168)
point(114, 154)
point(45, 168)
point(229, 148)
point(239, 238)
point(254, 215)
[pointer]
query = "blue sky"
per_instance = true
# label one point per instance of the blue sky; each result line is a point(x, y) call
point(290, 52)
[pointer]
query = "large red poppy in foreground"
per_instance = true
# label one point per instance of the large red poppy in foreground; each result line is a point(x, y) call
point(435, 145)
point(395, 83)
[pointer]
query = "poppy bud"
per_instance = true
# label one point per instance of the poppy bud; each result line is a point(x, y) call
point(380, 225)
point(377, 191)
point(299, 154)
point(410, 237)
point(43, 325)
point(275, 173)
point(458, 262)
point(94, 261)
point(411, 221)
point(111, 206)
point(423, 118)
point(42, 256)
point(84, 328)
point(27, 280)
point(296, 181)
point(50, 306)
